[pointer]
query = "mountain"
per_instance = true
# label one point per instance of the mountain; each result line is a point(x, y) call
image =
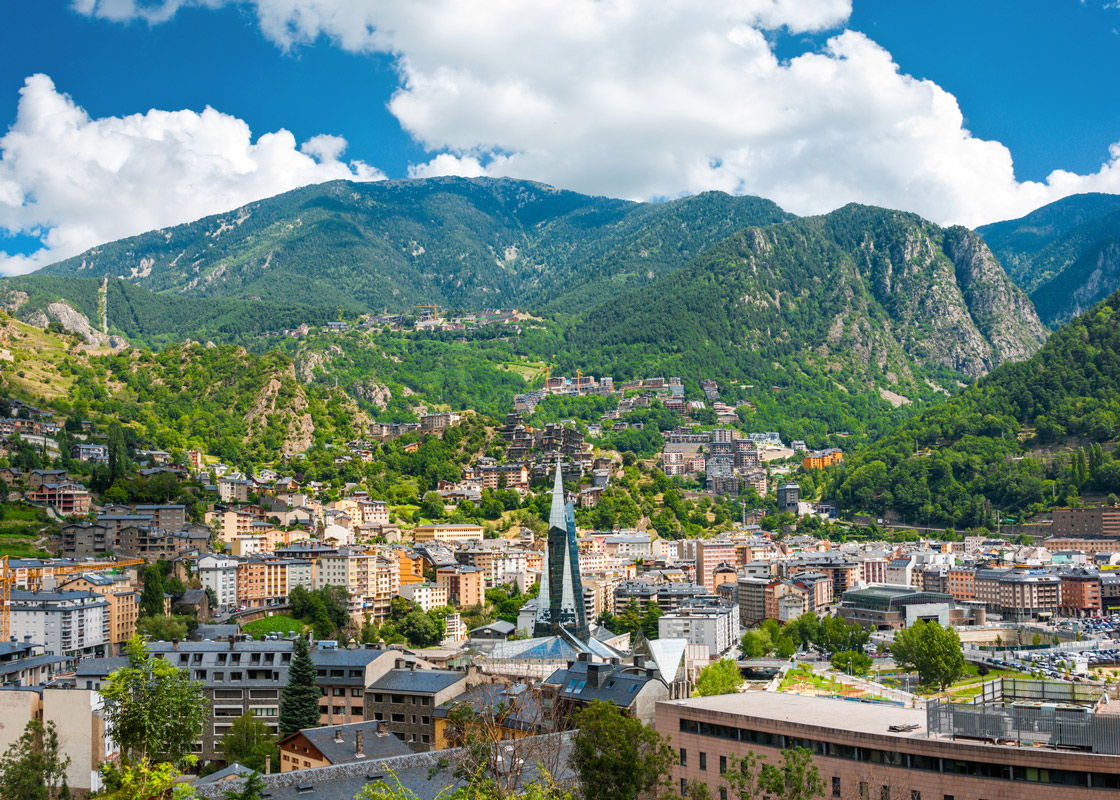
point(1065, 254)
point(1029, 436)
point(458, 242)
point(862, 300)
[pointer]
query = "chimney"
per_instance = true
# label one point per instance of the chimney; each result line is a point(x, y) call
point(174, 644)
point(358, 736)
point(338, 734)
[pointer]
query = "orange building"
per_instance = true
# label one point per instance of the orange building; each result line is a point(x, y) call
point(962, 584)
point(261, 580)
point(819, 459)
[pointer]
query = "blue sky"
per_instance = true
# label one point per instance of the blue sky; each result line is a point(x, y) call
point(620, 104)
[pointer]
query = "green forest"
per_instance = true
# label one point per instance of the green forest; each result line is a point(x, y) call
point(1029, 436)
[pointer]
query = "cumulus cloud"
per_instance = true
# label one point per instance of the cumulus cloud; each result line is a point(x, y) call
point(665, 97)
point(76, 182)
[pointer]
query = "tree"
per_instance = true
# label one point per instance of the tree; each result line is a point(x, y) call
point(33, 768)
point(161, 628)
point(722, 677)
point(249, 742)
point(796, 778)
point(154, 710)
point(851, 662)
point(785, 647)
point(420, 629)
point(151, 600)
point(251, 789)
point(617, 754)
point(934, 652)
point(299, 700)
point(756, 644)
point(144, 780)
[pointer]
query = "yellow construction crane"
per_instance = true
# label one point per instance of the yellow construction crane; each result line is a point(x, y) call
point(435, 310)
point(34, 580)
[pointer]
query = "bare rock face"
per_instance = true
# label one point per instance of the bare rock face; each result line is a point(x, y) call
point(372, 392)
point(75, 322)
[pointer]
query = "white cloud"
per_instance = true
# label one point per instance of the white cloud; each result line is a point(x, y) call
point(664, 97)
point(76, 182)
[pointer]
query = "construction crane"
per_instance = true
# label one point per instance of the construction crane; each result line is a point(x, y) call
point(434, 311)
point(34, 579)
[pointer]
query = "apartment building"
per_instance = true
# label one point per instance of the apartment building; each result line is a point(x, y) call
point(219, 574)
point(709, 555)
point(68, 623)
point(123, 600)
point(466, 586)
point(704, 621)
point(446, 532)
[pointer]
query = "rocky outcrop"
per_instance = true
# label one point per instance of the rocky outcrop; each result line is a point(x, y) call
point(372, 392)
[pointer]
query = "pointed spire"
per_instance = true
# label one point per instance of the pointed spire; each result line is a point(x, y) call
point(556, 515)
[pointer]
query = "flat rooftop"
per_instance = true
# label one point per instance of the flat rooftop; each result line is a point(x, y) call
point(821, 712)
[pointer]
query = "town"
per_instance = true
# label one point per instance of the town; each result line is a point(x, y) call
point(406, 610)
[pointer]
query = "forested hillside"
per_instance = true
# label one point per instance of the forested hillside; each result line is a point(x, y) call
point(820, 322)
point(1065, 254)
point(1027, 437)
point(152, 319)
point(221, 400)
point(471, 243)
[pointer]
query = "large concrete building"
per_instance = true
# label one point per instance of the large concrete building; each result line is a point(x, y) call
point(704, 621)
point(882, 752)
point(67, 622)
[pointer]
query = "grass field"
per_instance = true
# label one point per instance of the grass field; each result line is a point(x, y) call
point(278, 623)
point(529, 371)
point(21, 527)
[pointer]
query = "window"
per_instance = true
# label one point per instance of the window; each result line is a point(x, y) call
point(398, 717)
point(884, 793)
point(219, 677)
point(684, 788)
point(863, 790)
point(425, 738)
point(355, 692)
point(703, 761)
point(425, 720)
point(723, 793)
point(356, 711)
point(684, 757)
point(915, 794)
point(722, 764)
point(835, 786)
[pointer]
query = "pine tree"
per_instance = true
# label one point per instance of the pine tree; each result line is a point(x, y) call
point(299, 703)
point(33, 768)
point(151, 601)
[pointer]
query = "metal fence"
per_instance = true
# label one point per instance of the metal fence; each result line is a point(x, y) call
point(1068, 727)
point(1010, 690)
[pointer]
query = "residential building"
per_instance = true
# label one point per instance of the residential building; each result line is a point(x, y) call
point(68, 499)
point(66, 622)
point(633, 689)
point(466, 586)
point(405, 700)
point(339, 744)
point(426, 595)
point(706, 621)
point(219, 574)
point(447, 532)
point(123, 600)
point(710, 554)
point(1080, 592)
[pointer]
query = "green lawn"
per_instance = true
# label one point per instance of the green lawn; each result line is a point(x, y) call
point(278, 623)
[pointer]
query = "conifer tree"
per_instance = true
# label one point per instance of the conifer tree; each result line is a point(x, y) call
point(151, 600)
point(299, 702)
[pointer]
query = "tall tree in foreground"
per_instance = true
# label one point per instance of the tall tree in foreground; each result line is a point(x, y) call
point(154, 710)
point(299, 700)
point(618, 755)
point(932, 651)
point(33, 768)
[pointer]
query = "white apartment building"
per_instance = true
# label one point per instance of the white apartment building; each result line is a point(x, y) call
point(219, 573)
point(426, 595)
point(708, 623)
point(67, 623)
